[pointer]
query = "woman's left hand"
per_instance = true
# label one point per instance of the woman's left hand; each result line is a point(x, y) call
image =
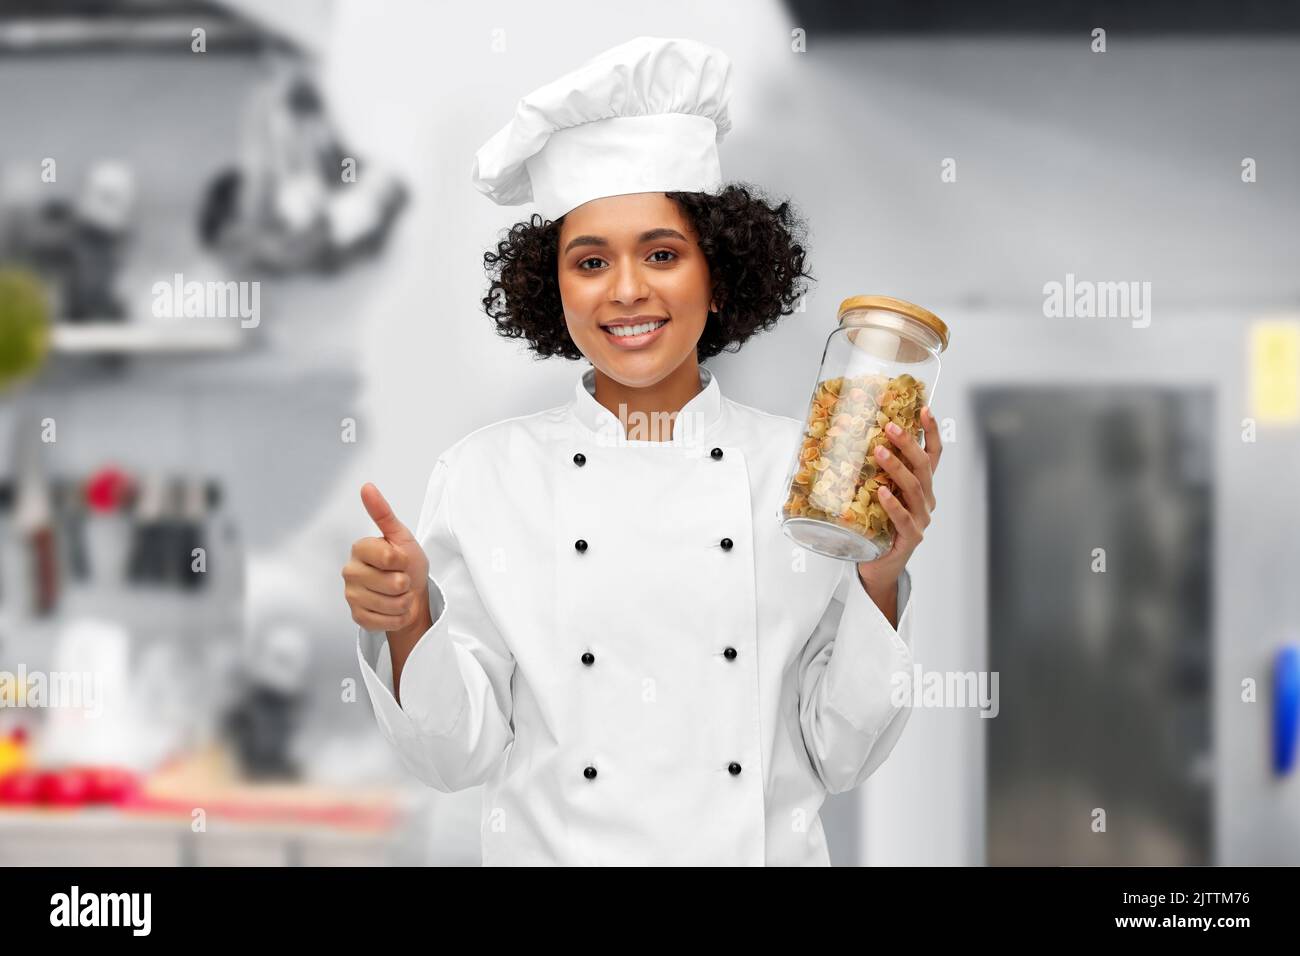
point(912, 468)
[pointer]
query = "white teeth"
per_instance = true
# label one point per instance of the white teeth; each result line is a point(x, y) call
point(623, 331)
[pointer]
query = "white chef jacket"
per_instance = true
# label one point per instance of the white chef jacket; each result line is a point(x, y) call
point(661, 696)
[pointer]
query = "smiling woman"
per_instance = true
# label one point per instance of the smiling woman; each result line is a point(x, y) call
point(730, 262)
point(635, 299)
point(637, 670)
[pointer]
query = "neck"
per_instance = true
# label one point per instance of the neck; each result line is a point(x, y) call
point(648, 413)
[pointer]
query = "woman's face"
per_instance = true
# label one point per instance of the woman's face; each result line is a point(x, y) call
point(633, 262)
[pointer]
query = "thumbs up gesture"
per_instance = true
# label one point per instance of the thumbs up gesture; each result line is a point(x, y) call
point(385, 581)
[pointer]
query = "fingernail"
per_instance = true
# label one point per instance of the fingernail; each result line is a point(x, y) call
point(885, 492)
point(882, 453)
point(893, 429)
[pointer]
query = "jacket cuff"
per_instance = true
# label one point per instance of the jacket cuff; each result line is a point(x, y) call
point(433, 697)
point(870, 671)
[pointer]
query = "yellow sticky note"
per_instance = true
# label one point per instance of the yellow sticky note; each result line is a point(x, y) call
point(1275, 372)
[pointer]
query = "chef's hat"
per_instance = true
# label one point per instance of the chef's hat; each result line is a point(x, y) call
point(644, 116)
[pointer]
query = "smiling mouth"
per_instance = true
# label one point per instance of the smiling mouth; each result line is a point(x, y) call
point(637, 330)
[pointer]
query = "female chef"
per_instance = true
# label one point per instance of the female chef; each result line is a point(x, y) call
point(597, 615)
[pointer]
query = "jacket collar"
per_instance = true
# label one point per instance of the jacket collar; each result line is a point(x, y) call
point(695, 422)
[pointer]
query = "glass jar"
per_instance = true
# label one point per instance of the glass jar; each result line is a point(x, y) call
point(880, 365)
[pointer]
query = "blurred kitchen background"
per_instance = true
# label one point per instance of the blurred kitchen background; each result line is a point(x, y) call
point(322, 149)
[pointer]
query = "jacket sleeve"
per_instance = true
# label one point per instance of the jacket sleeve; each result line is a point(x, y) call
point(454, 722)
point(855, 682)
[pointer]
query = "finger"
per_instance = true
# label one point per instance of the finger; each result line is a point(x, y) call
point(382, 515)
point(917, 460)
point(364, 599)
point(904, 524)
point(378, 622)
point(933, 443)
point(907, 482)
point(380, 553)
point(372, 578)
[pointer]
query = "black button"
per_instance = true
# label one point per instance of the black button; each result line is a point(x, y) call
point(590, 773)
point(579, 459)
point(588, 658)
point(734, 768)
point(716, 453)
point(726, 544)
point(580, 545)
point(729, 653)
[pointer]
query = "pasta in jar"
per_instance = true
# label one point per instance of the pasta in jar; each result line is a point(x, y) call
point(880, 366)
point(838, 479)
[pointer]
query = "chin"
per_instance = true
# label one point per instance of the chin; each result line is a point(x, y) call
point(635, 371)
point(640, 369)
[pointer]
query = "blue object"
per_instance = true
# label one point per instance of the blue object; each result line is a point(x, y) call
point(1286, 708)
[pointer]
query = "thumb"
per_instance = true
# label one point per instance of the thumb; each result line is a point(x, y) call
point(382, 514)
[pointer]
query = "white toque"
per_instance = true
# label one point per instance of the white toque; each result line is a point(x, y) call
point(644, 116)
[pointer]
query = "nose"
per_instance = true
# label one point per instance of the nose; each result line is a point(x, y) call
point(628, 285)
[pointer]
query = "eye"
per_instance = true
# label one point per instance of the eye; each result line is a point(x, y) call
point(582, 263)
point(664, 252)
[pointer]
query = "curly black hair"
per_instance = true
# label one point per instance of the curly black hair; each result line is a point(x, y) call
point(754, 249)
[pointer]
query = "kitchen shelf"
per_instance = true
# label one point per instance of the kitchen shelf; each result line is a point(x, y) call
point(127, 338)
point(63, 26)
point(109, 836)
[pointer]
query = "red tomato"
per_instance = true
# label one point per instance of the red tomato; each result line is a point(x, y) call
point(64, 788)
point(110, 784)
point(21, 786)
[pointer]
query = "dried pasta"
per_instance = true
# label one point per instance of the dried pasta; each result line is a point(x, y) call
point(837, 478)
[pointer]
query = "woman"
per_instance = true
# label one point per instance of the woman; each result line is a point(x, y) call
point(597, 614)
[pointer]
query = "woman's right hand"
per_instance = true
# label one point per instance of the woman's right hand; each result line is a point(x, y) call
point(386, 580)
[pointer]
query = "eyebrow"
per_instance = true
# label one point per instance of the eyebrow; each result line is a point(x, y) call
point(650, 236)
